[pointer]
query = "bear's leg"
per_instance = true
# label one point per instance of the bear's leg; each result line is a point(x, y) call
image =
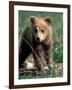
point(48, 54)
point(43, 61)
point(38, 63)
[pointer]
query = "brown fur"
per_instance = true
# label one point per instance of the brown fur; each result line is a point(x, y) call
point(44, 45)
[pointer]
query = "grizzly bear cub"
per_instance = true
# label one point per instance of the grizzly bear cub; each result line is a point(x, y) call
point(37, 38)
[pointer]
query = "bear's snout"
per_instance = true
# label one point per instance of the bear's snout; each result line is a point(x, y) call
point(38, 39)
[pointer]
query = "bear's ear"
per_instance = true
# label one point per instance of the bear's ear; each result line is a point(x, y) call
point(48, 20)
point(33, 19)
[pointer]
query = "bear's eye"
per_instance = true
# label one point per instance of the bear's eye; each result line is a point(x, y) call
point(35, 30)
point(42, 31)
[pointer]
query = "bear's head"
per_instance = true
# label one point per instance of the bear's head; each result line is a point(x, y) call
point(41, 28)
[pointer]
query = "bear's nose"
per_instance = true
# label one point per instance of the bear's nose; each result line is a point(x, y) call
point(38, 39)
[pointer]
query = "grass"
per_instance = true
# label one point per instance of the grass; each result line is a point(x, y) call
point(34, 75)
point(58, 53)
point(55, 71)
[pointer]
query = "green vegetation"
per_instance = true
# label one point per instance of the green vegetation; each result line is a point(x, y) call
point(35, 74)
point(24, 20)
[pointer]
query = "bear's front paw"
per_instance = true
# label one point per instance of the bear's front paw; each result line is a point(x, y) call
point(46, 68)
point(50, 65)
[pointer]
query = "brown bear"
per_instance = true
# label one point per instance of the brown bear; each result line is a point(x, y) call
point(37, 38)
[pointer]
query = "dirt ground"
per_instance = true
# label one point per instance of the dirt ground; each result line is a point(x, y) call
point(29, 70)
